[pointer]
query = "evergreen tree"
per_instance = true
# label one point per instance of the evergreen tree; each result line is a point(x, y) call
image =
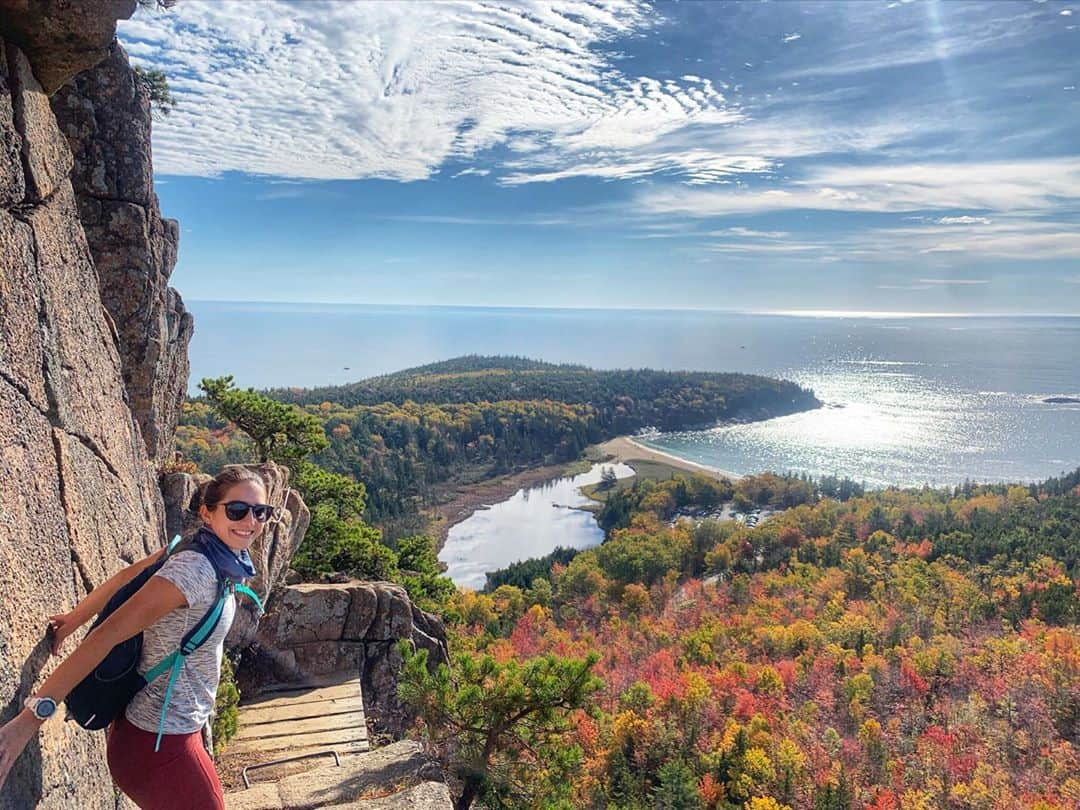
point(499, 727)
point(281, 432)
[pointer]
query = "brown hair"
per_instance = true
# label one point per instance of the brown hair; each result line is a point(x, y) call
point(211, 493)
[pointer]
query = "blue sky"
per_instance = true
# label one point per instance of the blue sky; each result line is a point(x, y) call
point(889, 156)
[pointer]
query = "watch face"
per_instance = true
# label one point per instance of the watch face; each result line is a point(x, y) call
point(45, 708)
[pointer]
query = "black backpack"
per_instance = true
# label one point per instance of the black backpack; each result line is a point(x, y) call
point(103, 694)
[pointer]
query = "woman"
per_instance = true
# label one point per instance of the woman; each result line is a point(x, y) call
point(180, 775)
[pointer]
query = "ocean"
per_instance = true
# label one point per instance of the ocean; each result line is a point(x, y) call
point(909, 400)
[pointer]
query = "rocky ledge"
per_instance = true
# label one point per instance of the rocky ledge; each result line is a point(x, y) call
point(315, 633)
point(397, 777)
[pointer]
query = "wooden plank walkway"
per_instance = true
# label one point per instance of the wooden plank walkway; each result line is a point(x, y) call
point(302, 720)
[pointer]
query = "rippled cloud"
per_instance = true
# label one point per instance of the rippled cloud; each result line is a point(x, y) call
point(330, 90)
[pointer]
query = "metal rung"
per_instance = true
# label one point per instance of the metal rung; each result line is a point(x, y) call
point(244, 773)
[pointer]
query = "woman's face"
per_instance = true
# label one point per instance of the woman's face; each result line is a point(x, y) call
point(236, 534)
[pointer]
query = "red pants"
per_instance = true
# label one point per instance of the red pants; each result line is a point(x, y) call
point(179, 776)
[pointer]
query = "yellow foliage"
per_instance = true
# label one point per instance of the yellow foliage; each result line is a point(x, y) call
point(765, 803)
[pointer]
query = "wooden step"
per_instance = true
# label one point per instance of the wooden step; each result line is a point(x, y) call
point(302, 719)
point(277, 728)
point(314, 739)
point(256, 715)
point(298, 695)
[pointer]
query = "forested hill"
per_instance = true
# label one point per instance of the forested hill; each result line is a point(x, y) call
point(624, 400)
point(404, 435)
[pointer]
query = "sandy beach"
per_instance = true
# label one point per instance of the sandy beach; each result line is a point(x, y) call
point(626, 450)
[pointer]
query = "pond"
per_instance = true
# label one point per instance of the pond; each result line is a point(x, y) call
point(531, 523)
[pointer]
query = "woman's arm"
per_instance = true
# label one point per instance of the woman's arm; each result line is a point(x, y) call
point(64, 624)
point(149, 604)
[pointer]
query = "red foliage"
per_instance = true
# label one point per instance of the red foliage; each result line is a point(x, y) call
point(912, 679)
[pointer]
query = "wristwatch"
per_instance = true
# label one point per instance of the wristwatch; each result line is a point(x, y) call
point(42, 707)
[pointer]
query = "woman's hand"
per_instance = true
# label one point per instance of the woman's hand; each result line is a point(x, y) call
point(60, 627)
point(14, 735)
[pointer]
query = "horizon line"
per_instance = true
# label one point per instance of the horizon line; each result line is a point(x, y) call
point(790, 313)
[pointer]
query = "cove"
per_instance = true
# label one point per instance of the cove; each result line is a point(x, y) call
point(531, 523)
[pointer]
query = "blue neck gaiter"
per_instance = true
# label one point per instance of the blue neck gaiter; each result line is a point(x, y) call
point(235, 565)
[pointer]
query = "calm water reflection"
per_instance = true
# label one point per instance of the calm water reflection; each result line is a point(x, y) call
point(530, 524)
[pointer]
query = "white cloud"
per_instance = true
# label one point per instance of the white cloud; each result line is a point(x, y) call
point(964, 220)
point(1032, 185)
point(395, 89)
point(472, 171)
point(1015, 238)
point(697, 166)
point(792, 37)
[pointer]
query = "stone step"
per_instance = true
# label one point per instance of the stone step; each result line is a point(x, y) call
point(360, 782)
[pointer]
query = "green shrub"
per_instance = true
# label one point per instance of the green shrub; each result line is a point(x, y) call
point(225, 706)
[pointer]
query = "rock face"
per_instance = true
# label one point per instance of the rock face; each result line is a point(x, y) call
point(62, 37)
point(79, 496)
point(313, 632)
point(105, 115)
point(271, 553)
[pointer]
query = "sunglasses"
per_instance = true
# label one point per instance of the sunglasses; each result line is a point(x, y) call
point(237, 510)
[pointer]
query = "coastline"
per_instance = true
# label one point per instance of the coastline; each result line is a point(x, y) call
point(471, 498)
point(625, 450)
point(467, 499)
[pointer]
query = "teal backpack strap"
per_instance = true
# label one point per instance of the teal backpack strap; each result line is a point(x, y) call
point(172, 545)
point(242, 588)
point(178, 660)
point(175, 660)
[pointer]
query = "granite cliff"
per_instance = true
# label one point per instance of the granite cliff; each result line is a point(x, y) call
point(80, 495)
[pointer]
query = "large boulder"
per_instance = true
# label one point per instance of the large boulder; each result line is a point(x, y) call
point(105, 115)
point(315, 633)
point(80, 498)
point(62, 37)
point(271, 553)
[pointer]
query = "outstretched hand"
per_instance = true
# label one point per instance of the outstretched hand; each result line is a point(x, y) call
point(14, 735)
point(61, 626)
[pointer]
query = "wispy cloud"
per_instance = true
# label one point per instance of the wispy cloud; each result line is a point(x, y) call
point(1028, 185)
point(963, 220)
point(750, 233)
point(473, 172)
point(933, 32)
point(1016, 238)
